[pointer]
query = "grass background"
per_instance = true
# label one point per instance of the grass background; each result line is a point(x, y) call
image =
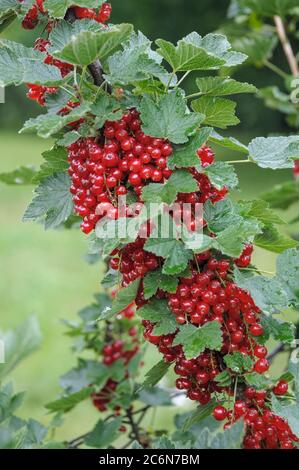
point(44, 273)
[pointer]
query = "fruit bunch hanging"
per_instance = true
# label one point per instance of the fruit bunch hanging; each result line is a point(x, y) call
point(124, 127)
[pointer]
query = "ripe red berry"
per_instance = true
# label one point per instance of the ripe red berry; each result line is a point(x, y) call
point(220, 413)
point(281, 388)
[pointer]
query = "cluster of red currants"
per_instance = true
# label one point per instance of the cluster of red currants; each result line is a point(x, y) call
point(101, 171)
point(207, 295)
point(296, 169)
point(133, 261)
point(264, 429)
point(38, 92)
point(112, 352)
point(101, 16)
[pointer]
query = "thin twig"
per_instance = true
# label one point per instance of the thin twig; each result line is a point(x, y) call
point(286, 45)
point(134, 426)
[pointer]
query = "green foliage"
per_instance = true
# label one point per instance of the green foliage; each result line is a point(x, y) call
point(20, 64)
point(155, 280)
point(274, 152)
point(279, 330)
point(158, 312)
point(169, 118)
point(123, 298)
point(288, 412)
point(196, 53)
point(103, 434)
point(196, 340)
point(55, 162)
point(222, 175)
point(49, 124)
point(181, 181)
point(68, 402)
point(185, 156)
point(52, 202)
point(21, 176)
point(155, 374)
point(84, 41)
point(136, 62)
point(218, 112)
point(238, 362)
point(18, 344)
point(269, 7)
point(155, 397)
point(223, 86)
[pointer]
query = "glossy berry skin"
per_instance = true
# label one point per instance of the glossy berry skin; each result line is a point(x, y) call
point(281, 388)
point(261, 366)
point(220, 413)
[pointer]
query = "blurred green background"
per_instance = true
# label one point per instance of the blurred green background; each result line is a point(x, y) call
point(44, 272)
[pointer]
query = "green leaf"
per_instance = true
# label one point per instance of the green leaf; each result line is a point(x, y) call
point(198, 415)
point(185, 156)
point(258, 381)
point(103, 434)
point(58, 8)
point(124, 298)
point(274, 152)
point(228, 142)
point(221, 215)
point(268, 294)
point(21, 176)
point(84, 41)
point(168, 119)
point(46, 125)
point(68, 402)
point(196, 53)
point(157, 311)
point(176, 255)
point(52, 200)
point(223, 86)
point(181, 181)
point(88, 372)
point(288, 274)
point(18, 344)
point(55, 162)
point(238, 362)
point(231, 240)
point(155, 374)
point(105, 109)
point(223, 379)
point(288, 412)
point(222, 175)
point(196, 340)
point(277, 329)
point(20, 64)
point(231, 438)
point(261, 210)
point(270, 7)
point(9, 402)
point(257, 45)
point(294, 370)
point(137, 62)
point(219, 112)
point(283, 195)
point(155, 280)
point(155, 396)
point(8, 7)
point(272, 240)
point(275, 99)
